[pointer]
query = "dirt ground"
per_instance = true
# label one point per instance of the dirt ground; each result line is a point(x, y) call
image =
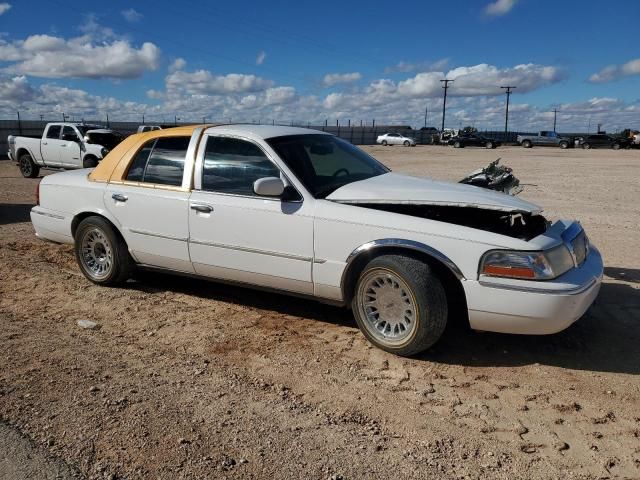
point(188, 379)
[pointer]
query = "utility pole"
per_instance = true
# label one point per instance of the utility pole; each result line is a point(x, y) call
point(444, 104)
point(143, 118)
point(506, 115)
point(107, 120)
point(426, 113)
point(555, 115)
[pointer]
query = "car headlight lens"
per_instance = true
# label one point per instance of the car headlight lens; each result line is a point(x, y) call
point(527, 265)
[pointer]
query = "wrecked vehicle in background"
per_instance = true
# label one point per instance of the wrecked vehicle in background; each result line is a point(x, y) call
point(303, 212)
point(494, 177)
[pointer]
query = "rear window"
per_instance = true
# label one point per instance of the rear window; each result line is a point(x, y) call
point(160, 161)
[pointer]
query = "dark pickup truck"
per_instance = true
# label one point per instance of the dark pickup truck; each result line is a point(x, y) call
point(545, 139)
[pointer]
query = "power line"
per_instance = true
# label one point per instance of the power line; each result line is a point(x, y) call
point(506, 114)
point(444, 104)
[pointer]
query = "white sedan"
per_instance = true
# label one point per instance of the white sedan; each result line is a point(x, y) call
point(302, 212)
point(395, 139)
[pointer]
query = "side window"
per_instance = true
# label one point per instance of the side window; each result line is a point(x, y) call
point(160, 161)
point(70, 133)
point(232, 165)
point(53, 132)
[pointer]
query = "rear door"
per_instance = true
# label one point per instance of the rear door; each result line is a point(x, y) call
point(151, 204)
point(50, 145)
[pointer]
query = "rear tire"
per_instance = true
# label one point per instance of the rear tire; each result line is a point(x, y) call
point(102, 253)
point(400, 305)
point(489, 145)
point(586, 146)
point(407, 143)
point(28, 169)
point(457, 145)
point(616, 146)
point(384, 143)
point(564, 145)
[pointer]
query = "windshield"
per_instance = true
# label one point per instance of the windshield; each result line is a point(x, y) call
point(324, 163)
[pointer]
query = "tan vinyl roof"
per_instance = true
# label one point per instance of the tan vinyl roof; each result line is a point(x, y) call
point(114, 166)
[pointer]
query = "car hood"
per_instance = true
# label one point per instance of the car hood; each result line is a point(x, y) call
point(395, 188)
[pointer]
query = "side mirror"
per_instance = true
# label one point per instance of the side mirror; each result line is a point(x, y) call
point(70, 137)
point(268, 187)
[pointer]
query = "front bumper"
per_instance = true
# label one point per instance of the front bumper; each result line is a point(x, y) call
point(534, 308)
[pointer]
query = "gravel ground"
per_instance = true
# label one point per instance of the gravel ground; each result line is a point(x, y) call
point(186, 379)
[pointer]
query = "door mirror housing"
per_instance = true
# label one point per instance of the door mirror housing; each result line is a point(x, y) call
point(269, 187)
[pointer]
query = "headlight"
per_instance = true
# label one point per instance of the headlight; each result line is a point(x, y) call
point(527, 265)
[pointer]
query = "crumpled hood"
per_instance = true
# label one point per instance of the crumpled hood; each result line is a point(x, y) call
point(395, 188)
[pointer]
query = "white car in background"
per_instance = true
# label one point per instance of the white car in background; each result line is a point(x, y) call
point(303, 212)
point(395, 139)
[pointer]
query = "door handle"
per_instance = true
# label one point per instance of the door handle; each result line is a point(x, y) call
point(44, 143)
point(199, 207)
point(63, 145)
point(118, 197)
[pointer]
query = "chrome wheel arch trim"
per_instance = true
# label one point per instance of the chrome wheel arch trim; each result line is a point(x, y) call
point(401, 244)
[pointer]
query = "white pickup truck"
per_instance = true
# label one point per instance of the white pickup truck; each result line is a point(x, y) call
point(63, 145)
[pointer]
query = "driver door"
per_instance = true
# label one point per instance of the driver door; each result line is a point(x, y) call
point(237, 235)
point(69, 147)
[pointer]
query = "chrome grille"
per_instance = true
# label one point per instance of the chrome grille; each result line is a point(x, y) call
point(579, 245)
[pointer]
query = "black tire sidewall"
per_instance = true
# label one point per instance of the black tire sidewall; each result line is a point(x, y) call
point(34, 168)
point(430, 298)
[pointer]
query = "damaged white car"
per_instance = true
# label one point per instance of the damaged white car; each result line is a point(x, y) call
point(303, 212)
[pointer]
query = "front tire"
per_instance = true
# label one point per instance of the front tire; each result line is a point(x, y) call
point(616, 146)
point(384, 143)
point(457, 145)
point(586, 146)
point(527, 144)
point(489, 145)
point(407, 143)
point(28, 169)
point(564, 145)
point(101, 252)
point(89, 162)
point(400, 305)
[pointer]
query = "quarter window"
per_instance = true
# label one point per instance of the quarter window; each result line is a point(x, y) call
point(232, 165)
point(54, 131)
point(160, 161)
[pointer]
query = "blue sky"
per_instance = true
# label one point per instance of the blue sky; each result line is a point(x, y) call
point(307, 61)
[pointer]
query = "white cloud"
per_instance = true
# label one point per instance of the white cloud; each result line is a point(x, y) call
point(203, 82)
point(178, 64)
point(615, 72)
point(4, 7)
point(131, 15)
point(332, 79)
point(96, 54)
point(261, 58)
point(499, 7)
point(406, 67)
point(481, 79)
